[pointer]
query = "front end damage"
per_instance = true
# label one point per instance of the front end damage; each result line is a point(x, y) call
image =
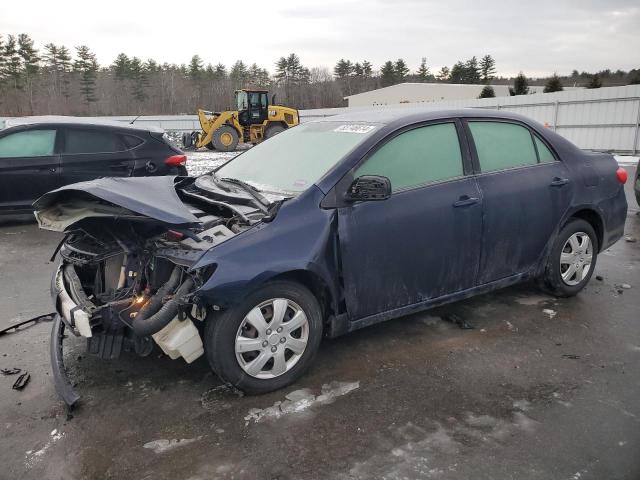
point(124, 280)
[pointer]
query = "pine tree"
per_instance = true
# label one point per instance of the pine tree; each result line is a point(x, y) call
point(521, 85)
point(343, 69)
point(401, 70)
point(487, 92)
point(64, 69)
point(258, 77)
point(487, 68)
point(151, 66)
point(458, 73)
point(121, 67)
point(87, 66)
point(423, 73)
point(367, 69)
point(239, 74)
point(139, 80)
point(195, 68)
point(220, 71)
point(443, 74)
point(471, 71)
point(388, 74)
point(594, 82)
point(553, 84)
point(13, 64)
point(30, 65)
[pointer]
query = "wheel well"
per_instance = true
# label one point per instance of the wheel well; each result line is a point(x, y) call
point(595, 221)
point(315, 284)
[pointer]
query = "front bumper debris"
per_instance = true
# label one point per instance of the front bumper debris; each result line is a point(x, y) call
point(61, 381)
point(73, 314)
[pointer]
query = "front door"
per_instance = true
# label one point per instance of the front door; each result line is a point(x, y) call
point(257, 107)
point(422, 242)
point(29, 167)
point(525, 192)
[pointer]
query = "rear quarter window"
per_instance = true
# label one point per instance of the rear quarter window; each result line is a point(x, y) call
point(92, 141)
point(132, 142)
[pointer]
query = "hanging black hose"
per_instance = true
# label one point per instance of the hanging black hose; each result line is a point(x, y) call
point(157, 316)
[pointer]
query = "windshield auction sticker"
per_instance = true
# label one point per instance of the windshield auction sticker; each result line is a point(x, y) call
point(354, 128)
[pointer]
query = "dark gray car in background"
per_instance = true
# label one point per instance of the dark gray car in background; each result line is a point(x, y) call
point(40, 154)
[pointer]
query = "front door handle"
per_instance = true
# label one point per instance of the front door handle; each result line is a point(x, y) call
point(465, 200)
point(559, 182)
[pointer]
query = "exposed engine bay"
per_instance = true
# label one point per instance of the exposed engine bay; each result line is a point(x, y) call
point(124, 280)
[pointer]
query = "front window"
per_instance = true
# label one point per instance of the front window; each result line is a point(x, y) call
point(30, 143)
point(296, 158)
point(417, 157)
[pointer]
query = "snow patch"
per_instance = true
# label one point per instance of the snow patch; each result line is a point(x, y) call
point(163, 445)
point(300, 401)
point(549, 312)
point(32, 457)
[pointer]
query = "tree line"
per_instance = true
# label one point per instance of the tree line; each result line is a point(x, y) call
point(58, 80)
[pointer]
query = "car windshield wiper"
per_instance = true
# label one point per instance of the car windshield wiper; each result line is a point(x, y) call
point(261, 201)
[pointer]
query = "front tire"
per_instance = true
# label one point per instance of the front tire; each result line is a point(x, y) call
point(268, 341)
point(572, 260)
point(225, 139)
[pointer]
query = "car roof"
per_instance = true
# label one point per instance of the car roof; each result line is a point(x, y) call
point(387, 115)
point(82, 121)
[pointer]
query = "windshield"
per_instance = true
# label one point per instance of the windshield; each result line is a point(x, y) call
point(296, 158)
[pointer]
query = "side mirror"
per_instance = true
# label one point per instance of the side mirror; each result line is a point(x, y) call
point(369, 187)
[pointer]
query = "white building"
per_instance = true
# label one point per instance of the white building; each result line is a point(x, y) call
point(426, 92)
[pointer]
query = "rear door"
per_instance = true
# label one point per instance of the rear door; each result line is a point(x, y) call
point(29, 166)
point(422, 242)
point(525, 191)
point(94, 152)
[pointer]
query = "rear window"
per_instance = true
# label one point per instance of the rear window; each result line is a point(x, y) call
point(92, 141)
point(502, 145)
point(30, 143)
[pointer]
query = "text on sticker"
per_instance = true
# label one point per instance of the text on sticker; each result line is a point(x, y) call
point(354, 128)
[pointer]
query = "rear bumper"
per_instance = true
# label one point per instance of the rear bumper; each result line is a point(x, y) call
point(614, 212)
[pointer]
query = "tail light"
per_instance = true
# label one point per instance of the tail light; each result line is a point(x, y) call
point(176, 161)
point(622, 175)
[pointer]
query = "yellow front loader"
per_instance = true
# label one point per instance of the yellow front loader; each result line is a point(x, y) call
point(253, 121)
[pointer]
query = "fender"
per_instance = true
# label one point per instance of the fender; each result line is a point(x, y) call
point(291, 242)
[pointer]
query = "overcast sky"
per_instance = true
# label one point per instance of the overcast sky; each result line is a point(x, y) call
point(537, 37)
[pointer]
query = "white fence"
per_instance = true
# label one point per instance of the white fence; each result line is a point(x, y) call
point(605, 119)
point(600, 119)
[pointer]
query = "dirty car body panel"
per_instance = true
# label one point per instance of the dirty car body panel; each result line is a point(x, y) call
point(146, 258)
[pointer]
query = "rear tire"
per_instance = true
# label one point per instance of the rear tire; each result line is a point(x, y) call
point(187, 140)
point(566, 270)
point(233, 338)
point(273, 130)
point(225, 139)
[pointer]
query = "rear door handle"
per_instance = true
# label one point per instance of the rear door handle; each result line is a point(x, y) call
point(466, 200)
point(559, 182)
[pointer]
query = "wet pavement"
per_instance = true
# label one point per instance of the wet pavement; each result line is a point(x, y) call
point(541, 388)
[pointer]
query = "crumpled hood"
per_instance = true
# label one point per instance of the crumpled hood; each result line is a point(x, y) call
point(153, 197)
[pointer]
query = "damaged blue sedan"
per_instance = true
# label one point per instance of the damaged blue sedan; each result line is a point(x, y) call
point(326, 228)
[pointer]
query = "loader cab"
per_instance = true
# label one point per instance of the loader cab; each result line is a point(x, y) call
point(252, 106)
